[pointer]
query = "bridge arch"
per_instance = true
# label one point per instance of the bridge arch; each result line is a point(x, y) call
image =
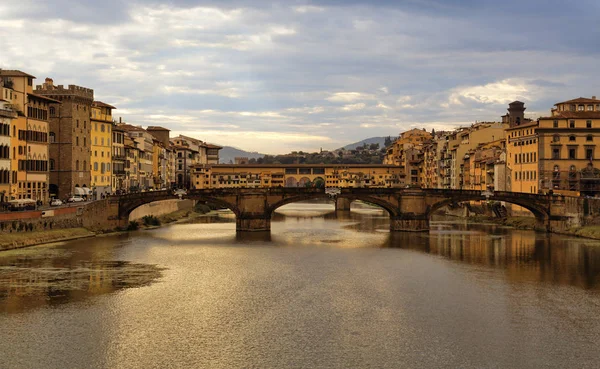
point(128, 203)
point(391, 210)
point(539, 211)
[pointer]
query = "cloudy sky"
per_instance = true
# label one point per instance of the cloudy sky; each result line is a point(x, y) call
point(300, 75)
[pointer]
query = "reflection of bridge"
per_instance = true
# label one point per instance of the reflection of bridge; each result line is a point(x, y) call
point(409, 209)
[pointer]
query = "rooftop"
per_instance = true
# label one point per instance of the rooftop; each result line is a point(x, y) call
point(14, 73)
point(581, 100)
point(102, 105)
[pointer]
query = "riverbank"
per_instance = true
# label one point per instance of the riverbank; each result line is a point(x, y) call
point(17, 240)
point(591, 231)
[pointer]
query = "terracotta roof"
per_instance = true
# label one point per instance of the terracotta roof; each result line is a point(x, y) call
point(14, 73)
point(44, 98)
point(157, 128)
point(129, 127)
point(580, 100)
point(102, 105)
point(575, 115)
point(211, 146)
point(336, 166)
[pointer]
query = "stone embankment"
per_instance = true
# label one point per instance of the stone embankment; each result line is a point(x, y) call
point(23, 229)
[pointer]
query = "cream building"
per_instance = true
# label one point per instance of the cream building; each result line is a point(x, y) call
point(101, 149)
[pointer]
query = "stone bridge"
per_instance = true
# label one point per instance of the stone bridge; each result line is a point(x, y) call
point(409, 209)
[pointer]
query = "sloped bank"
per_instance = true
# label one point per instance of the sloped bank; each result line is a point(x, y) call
point(186, 209)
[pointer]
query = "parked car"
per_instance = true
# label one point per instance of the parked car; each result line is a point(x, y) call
point(76, 199)
point(56, 202)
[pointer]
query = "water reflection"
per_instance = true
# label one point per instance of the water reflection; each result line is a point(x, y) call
point(525, 255)
point(55, 274)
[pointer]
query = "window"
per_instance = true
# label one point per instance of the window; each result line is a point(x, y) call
point(581, 108)
point(589, 138)
point(556, 138)
point(555, 153)
point(590, 107)
point(84, 141)
point(96, 166)
point(77, 123)
point(76, 164)
point(572, 138)
point(589, 153)
point(555, 124)
point(588, 124)
point(102, 129)
point(571, 124)
point(572, 153)
point(52, 111)
point(52, 137)
point(76, 141)
point(84, 165)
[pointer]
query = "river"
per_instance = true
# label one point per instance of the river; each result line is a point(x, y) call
point(321, 291)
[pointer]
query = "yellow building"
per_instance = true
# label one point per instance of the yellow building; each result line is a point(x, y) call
point(567, 147)
point(101, 149)
point(7, 115)
point(294, 175)
point(132, 164)
point(118, 160)
point(521, 150)
point(29, 139)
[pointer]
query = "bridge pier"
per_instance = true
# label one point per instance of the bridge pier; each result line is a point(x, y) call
point(342, 204)
point(253, 223)
point(411, 223)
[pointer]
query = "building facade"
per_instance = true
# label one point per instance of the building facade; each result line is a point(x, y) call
point(568, 139)
point(70, 138)
point(29, 162)
point(101, 164)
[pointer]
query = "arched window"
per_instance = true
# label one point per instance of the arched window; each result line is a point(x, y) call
point(76, 164)
point(571, 138)
point(556, 138)
point(51, 164)
point(84, 165)
point(96, 166)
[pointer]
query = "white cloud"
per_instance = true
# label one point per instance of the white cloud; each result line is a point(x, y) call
point(308, 9)
point(500, 92)
point(351, 107)
point(346, 97)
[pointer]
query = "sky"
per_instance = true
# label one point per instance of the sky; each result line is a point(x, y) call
point(276, 77)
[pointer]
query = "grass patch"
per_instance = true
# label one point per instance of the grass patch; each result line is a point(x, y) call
point(16, 239)
point(587, 231)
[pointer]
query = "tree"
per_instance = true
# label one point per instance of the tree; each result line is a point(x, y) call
point(374, 146)
point(388, 141)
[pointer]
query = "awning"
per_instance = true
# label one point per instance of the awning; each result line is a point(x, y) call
point(82, 191)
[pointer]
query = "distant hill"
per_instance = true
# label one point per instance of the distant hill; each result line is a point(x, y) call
point(368, 141)
point(228, 153)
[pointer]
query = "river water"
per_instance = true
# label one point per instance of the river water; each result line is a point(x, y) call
point(321, 291)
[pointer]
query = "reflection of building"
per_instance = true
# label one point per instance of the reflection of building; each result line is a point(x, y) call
point(70, 138)
point(294, 175)
point(567, 147)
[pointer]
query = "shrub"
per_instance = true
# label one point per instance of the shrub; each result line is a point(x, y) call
point(133, 225)
point(150, 220)
point(201, 208)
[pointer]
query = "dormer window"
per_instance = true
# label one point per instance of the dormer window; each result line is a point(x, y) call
point(590, 107)
point(581, 107)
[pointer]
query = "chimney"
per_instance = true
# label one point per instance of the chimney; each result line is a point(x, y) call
point(120, 120)
point(48, 83)
point(593, 97)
